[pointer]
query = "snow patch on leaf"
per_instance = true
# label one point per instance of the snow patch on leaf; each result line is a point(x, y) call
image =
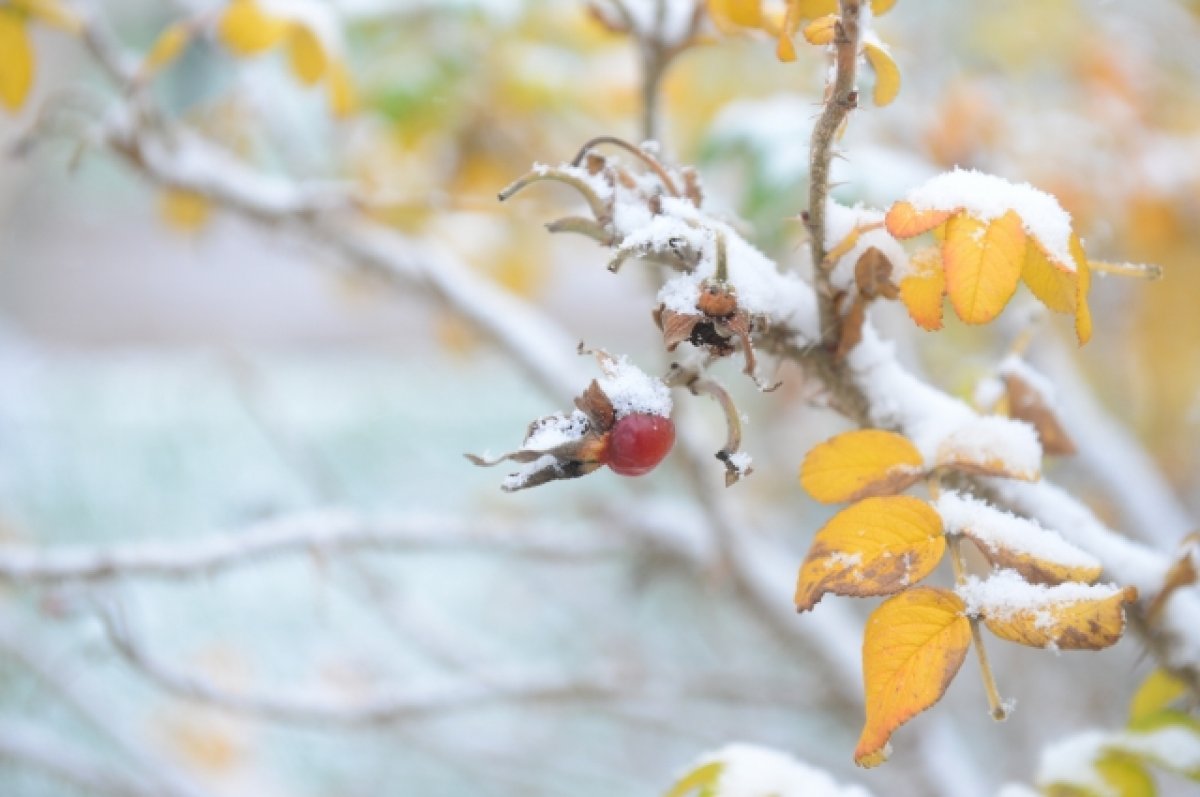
point(631, 390)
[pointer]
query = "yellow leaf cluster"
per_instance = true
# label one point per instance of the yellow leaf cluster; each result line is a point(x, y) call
point(877, 546)
point(914, 645)
point(983, 261)
point(248, 30)
point(887, 73)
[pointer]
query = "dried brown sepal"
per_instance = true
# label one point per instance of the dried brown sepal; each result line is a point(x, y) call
point(596, 406)
point(852, 326)
point(691, 186)
point(1182, 574)
point(1025, 403)
point(873, 275)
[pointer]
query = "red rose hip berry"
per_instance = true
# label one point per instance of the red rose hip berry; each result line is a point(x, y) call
point(638, 442)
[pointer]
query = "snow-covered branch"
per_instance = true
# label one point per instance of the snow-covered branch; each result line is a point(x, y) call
point(321, 533)
point(27, 745)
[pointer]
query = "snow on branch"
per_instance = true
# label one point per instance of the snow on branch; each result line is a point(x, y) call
point(321, 533)
point(27, 745)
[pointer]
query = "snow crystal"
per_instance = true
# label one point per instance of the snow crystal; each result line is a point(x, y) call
point(1006, 593)
point(741, 462)
point(840, 222)
point(988, 197)
point(998, 529)
point(991, 438)
point(631, 390)
point(843, 560)
point(555, 430)
point(988, 393)
point(751, 771)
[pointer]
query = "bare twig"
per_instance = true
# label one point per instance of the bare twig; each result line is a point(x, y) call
point(323, 533)
point(30, 746)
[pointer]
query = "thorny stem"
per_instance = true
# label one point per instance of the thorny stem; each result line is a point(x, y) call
point(843, 97)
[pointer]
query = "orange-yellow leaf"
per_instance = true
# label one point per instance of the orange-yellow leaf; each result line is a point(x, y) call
point(875, 547)
point(821, 30)
point(860, 464)
point(729, 15)
point(913, 646)
point(1083, 314)
point(1040, 555)
point(16, 60)
point(167, 48)
point(248, 30)
point(1069, 616)
point(887, 74)
point(905, 221)
point(983, 264)
point(1051, 283)
point(306, 54)
point(922, 290)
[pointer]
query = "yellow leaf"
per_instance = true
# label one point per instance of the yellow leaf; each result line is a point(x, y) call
point(913, 646)
point(1064, 617)
point(1051, 283)
point(881, 6)
point(875, 547)
point(1158, 691)
point(784, 49)
point(983, 264)
point(905, 221)
point(887, 74)
point(167, 48)
point(703, 779)
point(821, 30)
point(184, 210)
point(1083, 314)
point(1168, 738)
point(52, 12)
point(247, 30)
point(343, 96)
point(923, 289)
point(306, 54)
point(860, 464)
point(729, 15)
point(1125, 776)
point(16, 60)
